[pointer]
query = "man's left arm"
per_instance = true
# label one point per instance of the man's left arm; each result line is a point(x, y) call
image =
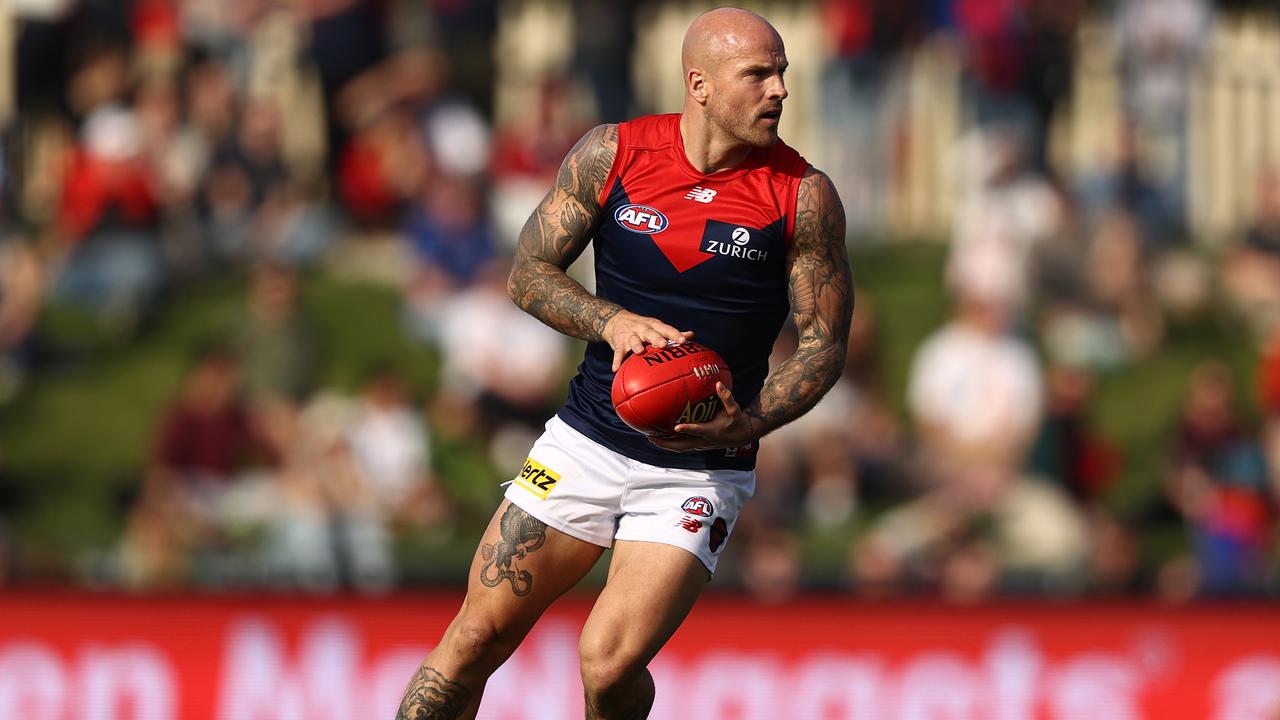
point(820, 288)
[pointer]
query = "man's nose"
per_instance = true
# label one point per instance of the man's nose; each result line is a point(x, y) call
point(778, 89)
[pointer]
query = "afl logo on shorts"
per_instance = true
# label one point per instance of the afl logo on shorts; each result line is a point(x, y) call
point(641, 219)
point(698, 505)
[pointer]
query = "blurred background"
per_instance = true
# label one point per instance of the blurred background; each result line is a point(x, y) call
point(260, 379)
point(254, 333)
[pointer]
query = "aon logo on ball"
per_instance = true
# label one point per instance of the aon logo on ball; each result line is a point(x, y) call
point(699, 412)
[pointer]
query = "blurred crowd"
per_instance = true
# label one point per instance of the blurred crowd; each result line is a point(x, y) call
point(155, 144)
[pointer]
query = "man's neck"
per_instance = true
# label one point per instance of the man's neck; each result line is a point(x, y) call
point(706, 149)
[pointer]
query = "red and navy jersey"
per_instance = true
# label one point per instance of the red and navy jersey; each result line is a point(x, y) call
point(705, 253)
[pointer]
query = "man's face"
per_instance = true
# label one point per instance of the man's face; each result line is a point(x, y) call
point(746, 92)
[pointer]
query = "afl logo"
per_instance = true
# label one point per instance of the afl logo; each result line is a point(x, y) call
point(641, 219)
point(698, 505)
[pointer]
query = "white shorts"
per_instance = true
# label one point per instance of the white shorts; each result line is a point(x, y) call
point(592, 493)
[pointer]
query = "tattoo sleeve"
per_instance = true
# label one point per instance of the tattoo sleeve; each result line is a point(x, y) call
point(556, 234)
point(820, 288)
point(430, 696)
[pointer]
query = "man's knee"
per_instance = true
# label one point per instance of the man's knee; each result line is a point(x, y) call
point(477, 643)
point(607, 664)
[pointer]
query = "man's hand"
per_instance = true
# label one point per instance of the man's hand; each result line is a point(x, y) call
point(627, 332)
point(728, 429)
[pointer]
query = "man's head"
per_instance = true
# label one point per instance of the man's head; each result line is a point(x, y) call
point(733, 64)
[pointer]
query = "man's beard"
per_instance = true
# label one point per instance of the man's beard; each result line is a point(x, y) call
point(748, 129)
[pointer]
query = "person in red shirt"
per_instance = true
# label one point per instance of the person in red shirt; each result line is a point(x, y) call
point(104, 241)
point(204, 442)
point(705, 226)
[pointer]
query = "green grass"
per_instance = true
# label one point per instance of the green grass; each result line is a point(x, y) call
point(906, 297)
point(76, 441)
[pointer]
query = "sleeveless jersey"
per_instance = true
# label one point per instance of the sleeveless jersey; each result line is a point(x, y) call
point(705, 253)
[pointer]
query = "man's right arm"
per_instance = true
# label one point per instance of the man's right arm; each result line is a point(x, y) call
point(555, 235)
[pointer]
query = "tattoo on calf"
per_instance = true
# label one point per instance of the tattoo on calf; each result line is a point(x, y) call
point(521, 534)
point(432, 697)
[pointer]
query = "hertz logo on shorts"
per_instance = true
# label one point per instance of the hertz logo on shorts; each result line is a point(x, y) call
point(537, 479)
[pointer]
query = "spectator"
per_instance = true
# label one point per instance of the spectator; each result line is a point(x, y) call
point(276, 348)
point(1220, 481)
point(1161, 43)
point(453, 247)
point(486, 343)
point(244, 175)
point(976, 397)
point(1119, 283)
point(859, 103)
point(604, 37)
point(195, 488)
point(994, 39)
point(1005, 212)
point(104, 238)
point(21, 285)
point(847, 446)
point(527, 155)
point(1069, 450)
point(1251, 269)
point(358, 473)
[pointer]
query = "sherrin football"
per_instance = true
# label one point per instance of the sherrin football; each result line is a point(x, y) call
point(657, 389)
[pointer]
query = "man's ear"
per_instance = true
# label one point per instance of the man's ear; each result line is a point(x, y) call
point(696, 82)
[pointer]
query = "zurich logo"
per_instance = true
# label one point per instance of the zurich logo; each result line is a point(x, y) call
point(641, 219)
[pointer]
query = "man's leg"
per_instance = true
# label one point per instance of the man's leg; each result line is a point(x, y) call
point(650, 590)
point(520, 568)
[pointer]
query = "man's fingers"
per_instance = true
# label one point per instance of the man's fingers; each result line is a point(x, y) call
point(673, 444)
point(672, 335)
point(726, 398)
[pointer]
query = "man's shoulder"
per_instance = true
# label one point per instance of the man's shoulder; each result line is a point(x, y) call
point(649, 131)
point(786, 160)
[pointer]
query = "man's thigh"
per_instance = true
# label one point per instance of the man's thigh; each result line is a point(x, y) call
point(521, 566)
point(651, 588)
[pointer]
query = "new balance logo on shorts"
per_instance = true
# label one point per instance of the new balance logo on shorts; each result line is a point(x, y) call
point(691, 524)
point(701, 194)
point(537, 478)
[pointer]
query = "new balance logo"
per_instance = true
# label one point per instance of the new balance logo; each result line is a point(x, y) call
point(701, 194)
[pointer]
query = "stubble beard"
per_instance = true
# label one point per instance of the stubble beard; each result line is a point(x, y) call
point(745, 128)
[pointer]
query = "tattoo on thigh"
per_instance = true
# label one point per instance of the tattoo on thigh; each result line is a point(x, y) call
point(431, 697)
point(521, 534)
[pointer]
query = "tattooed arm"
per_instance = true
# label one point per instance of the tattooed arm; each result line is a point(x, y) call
point(555, 235)
point(820, 288)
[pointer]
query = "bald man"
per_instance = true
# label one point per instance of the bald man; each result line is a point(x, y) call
point(708, 228)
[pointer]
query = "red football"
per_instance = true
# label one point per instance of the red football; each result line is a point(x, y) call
point(662, 387)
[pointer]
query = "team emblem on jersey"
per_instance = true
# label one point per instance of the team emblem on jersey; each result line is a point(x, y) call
point(698, 505)
point(641, 219)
